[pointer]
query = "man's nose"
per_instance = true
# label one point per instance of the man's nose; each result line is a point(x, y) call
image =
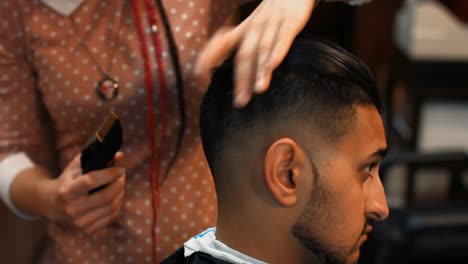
point(376, 204)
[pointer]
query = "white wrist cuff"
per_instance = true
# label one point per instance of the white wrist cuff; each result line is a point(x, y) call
point(9, 169)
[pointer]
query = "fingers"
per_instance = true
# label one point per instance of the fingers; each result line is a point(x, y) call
point(264, 39)
point(119, 160)
point(279, 42)
point(278, 52)
point(80, 186)
point(93, 212)
point(246, 62)
point(100, 223)
point(118, 156)
point(73, 169)
point(218, 48)
point(90, 211)
point(265, 51)
point(100, 217)
point(215, 52)
point(99, 199)
point(254, 49)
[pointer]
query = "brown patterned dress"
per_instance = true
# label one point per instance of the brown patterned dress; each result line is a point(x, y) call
point(48, 108)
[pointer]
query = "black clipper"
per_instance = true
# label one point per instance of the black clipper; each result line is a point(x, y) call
point(101, 147)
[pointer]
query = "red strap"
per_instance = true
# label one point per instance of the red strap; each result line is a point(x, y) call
point(149, 121)
point(155, 155)
point(156, 38)
point(162, 86)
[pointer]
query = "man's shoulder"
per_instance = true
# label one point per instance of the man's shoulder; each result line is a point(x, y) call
point(196, 258)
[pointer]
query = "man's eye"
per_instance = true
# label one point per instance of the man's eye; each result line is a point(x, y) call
point(371, 167)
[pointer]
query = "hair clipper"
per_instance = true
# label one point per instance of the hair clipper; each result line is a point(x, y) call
point(102, 146)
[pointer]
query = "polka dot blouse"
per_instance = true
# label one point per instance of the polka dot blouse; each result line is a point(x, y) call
point(48, 107)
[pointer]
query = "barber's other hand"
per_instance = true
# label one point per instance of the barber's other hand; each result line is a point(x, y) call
point(263, 40)
point(89, 212)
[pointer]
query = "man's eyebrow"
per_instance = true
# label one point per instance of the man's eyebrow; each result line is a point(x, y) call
point(380, 153)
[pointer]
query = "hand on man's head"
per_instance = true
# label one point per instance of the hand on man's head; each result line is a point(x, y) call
point(262, 41)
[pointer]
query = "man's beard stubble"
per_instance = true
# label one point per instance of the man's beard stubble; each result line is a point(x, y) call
point(314, 238)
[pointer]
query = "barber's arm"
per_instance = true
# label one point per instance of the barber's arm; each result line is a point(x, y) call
point(26, 186)
point(262, 40)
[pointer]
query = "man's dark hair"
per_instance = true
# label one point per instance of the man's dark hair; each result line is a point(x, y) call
point(317, 85)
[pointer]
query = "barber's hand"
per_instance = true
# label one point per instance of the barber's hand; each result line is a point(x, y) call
point(263, 40)
point(89, 212)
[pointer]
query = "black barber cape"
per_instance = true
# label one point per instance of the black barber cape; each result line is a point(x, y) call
point(196, 258)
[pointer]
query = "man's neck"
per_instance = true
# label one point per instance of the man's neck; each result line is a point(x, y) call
point(260, 239)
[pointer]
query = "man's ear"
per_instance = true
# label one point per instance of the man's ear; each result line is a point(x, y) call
point(284, 162)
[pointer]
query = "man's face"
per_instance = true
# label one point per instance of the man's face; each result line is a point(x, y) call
point(348, 193)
